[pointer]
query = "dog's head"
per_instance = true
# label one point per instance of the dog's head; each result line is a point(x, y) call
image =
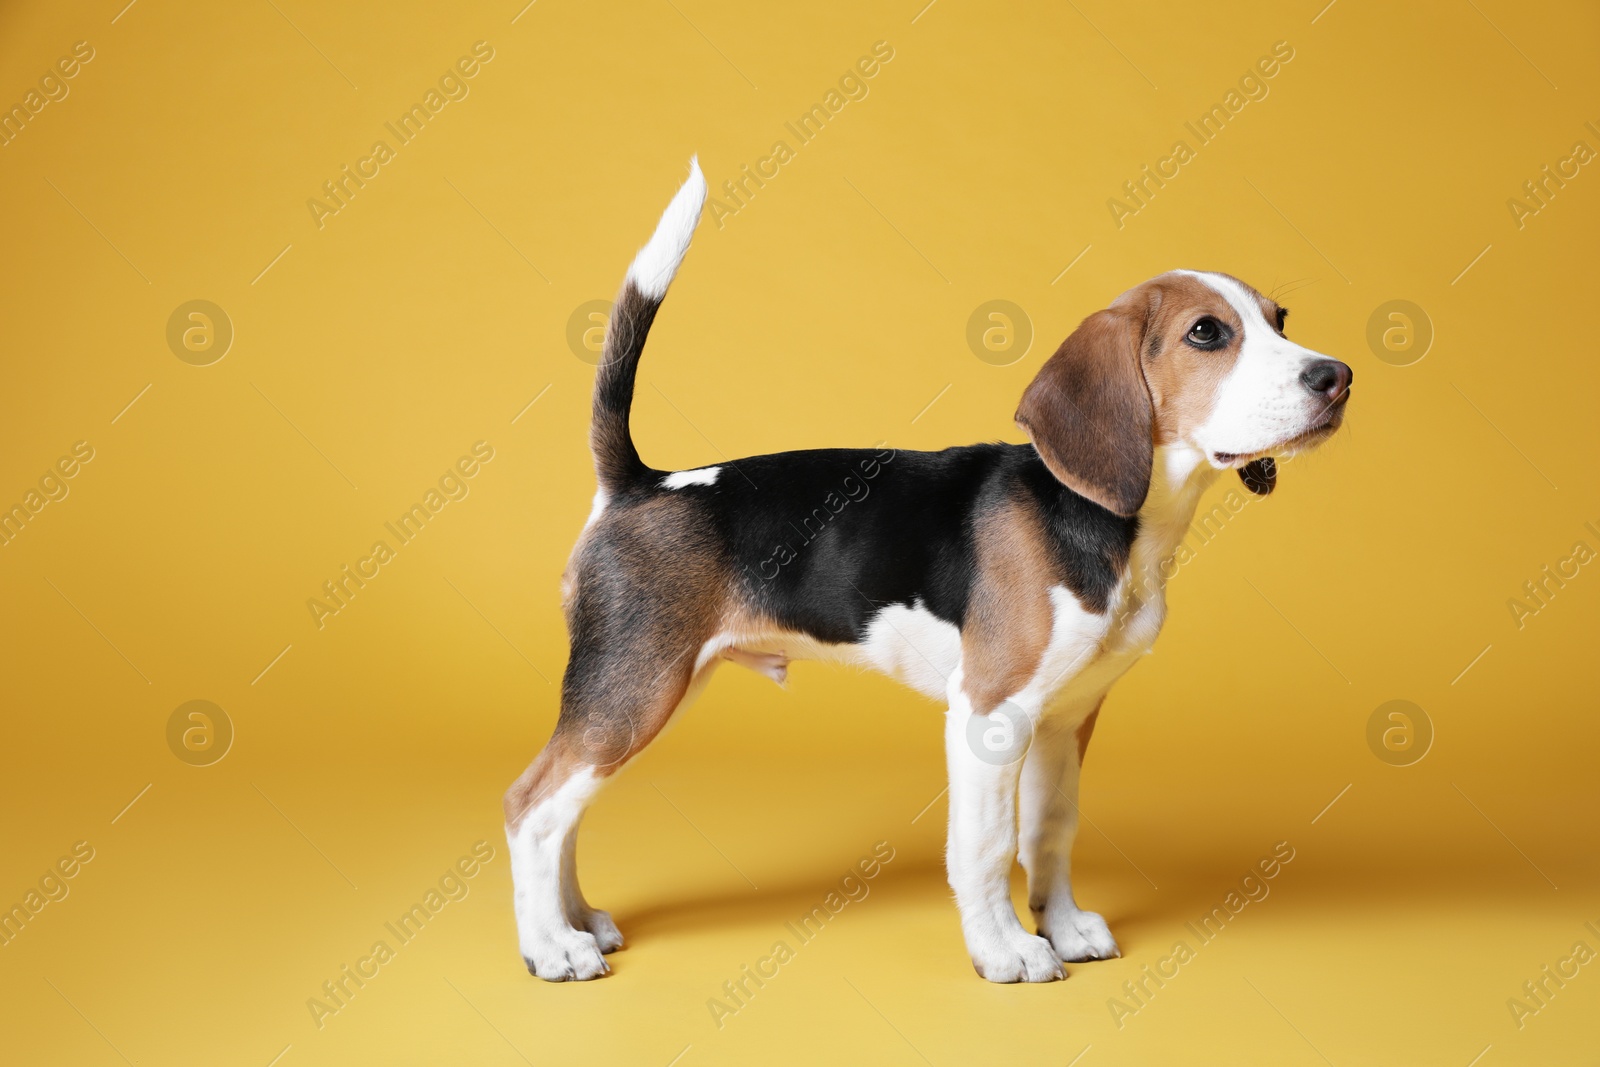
point(1187, 358)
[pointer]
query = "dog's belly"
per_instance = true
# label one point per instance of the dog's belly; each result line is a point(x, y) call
point(917, 648)
point(909, 644)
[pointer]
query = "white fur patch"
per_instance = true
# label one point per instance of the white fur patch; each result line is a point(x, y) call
point(658, 260)
point(699, 476)
point(596, 509)
point(550, 943)
point(914, 645)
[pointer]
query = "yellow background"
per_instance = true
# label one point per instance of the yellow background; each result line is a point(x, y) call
point(829, 311)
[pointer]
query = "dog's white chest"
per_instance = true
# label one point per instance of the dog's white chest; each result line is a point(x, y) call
point(1090, 650)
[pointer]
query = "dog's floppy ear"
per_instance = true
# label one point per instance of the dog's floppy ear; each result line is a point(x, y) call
point(1088, 411)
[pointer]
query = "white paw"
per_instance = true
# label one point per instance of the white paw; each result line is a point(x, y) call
point(604, 930)
point(1018, 957)
point(564, 955)
point(1080, 935)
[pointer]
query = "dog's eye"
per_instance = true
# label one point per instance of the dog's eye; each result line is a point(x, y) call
point(1207, 333)
point(1283, 313)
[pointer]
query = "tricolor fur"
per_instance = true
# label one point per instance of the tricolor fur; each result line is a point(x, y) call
point(1015, 583)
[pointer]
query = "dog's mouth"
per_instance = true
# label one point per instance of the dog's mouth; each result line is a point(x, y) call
point(1259, 470)
point(1324, 429)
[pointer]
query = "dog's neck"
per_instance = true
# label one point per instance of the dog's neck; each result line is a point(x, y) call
point(1179, 477)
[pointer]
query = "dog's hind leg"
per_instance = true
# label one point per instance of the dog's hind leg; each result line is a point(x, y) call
point(543, 807)
point(577, 910)
point(617, 695)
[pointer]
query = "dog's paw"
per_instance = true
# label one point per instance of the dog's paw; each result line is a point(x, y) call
point(1078, 936)
point(1018, 958)
point(604, 930)
point(566, 956)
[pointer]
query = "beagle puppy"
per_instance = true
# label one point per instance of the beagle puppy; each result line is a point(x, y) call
point(1014, 582)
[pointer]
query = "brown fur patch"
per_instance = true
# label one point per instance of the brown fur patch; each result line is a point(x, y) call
point(1009, 615)
point(648, 588)
point(1088, 410)
point(1183, 380)
point(543, 777)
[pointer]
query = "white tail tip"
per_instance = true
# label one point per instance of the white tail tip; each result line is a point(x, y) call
point(658, 260)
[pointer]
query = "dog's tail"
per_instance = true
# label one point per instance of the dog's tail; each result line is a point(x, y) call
point(616, 460)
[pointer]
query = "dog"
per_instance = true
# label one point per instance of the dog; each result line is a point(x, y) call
point(1014, 582)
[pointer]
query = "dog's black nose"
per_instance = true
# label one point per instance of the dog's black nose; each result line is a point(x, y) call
point(1328, 378)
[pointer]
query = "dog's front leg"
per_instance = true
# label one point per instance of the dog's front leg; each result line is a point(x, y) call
point(984, 765)
point(1049, 817)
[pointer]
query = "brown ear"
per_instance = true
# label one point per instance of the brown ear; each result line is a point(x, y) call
point(1088, 411)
